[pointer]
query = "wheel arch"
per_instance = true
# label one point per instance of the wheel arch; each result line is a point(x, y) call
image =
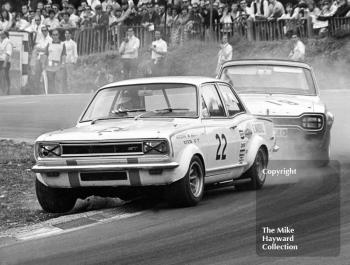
point(201, 159)
point(255, 144)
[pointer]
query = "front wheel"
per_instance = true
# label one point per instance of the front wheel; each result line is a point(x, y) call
point(54, 200)
point(189, 190)
point(255, 173)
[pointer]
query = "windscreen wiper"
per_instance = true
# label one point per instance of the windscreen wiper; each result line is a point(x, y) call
point(126, 110)
point(166, 110)
point(116, 112)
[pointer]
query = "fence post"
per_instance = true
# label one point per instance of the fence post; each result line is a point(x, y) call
point(250, 30)
point(309, 27)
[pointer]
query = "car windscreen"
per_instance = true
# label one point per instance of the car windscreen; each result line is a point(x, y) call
point(144, 101)
point(269, 79)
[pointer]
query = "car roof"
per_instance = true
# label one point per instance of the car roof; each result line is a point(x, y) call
point(280, 62)
point(193, 80)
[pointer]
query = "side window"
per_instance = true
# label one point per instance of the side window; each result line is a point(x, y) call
point(211, 99)
point(232, 104)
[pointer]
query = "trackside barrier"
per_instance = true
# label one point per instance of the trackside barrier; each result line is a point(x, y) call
point(339, 26)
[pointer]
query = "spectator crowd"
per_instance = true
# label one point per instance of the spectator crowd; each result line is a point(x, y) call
point(51, 23)
point(191, 15)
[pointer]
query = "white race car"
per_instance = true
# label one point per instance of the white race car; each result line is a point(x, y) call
point(285, 92)
point(173, 133)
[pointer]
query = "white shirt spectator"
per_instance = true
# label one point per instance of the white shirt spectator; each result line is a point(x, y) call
point(160, 46)
point(43, 43)
point(298, 52)
point(55, 52)
point(52, 23)
point(71, 51)
point(225, 54)
point(130, 49)
point(5, 25)
point(74, 18)
point(5, 49)
point(22, 24)
point(93, 3)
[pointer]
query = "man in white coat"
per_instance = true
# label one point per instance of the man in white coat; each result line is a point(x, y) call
point(225, 53)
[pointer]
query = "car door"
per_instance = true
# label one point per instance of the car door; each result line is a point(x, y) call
point(222, 136)
point(238, 120)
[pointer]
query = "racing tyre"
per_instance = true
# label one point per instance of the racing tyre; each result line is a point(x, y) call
point(54, 200)
point(255, 173)
point(189, 190)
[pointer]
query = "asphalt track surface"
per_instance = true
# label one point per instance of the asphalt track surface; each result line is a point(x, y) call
point(220, 230)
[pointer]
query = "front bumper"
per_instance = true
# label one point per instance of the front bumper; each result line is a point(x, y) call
point(89, 168)
point(137, 171)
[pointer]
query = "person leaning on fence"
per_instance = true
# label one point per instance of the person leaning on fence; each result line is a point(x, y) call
point(276, 9)
point(71, 59)
point(159, 50)
point(5, 62)
point(56, 57)
point(298, 51)
point(66, 23)
point(225, 53)
point(52, 22)
point(129, 53)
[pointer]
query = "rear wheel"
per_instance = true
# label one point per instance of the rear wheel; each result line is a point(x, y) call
point(189, 190)
point(54, 200)
point(255, 173)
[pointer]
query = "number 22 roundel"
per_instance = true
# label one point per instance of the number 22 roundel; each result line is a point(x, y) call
point(220, 152)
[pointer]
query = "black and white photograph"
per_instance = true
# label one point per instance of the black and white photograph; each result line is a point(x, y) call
point(175, 132)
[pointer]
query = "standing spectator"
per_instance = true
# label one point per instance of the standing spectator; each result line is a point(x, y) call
point(21, 24)
point(5, 21)
point(66, 23)
point(35, 28)
point(39, 58)
point(276, 9)
point(321, 22)
point(73, 17)
point(56, 9)
point(5, 62)
point(298, 51)
point(151, 18)
point(197, 20)
point(86, 16)
point(100, 19)
point(343, 9)
point(159, 50)
point(225, 53)
point(184, 20)
point(25, 13)
point(7, 6)
point(71, 59)
point(51, 22)
point(226, 20)
point(260, 9)
point(94, 3)
point(56, 54)
point(129, 52)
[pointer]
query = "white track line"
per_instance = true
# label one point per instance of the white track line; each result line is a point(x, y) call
point(52, 230)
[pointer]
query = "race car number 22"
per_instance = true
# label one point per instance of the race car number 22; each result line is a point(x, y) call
point(223, 155)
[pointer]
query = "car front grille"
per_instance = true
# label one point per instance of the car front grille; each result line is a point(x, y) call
point(92, 149)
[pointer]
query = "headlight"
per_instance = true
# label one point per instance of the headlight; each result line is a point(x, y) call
point(312, 122)
point(47, 150)
point(155, 147)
